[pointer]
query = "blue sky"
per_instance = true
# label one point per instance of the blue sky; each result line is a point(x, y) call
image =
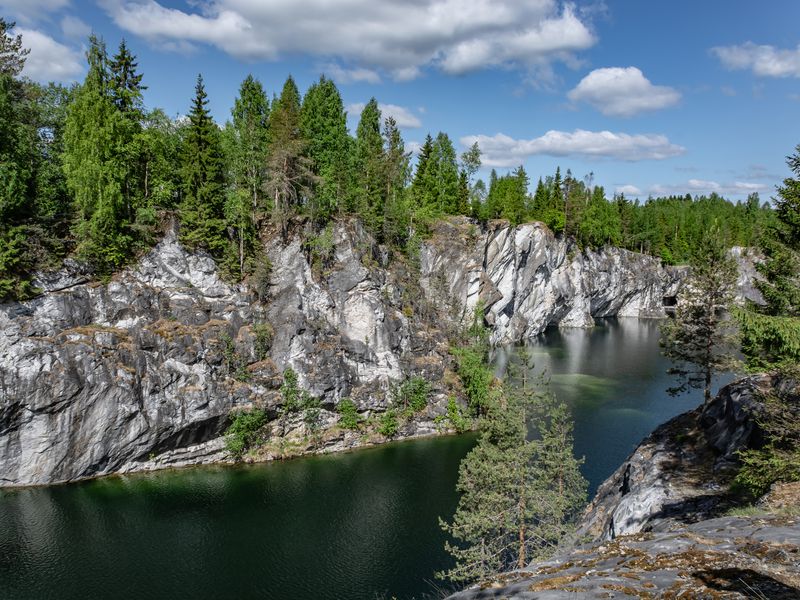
point(652, 97)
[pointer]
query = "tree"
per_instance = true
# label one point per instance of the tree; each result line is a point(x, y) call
point(96, 165)
point(397, 170)
point(125, 83)
point(12, 54)
point(444, 173)
point(250, 129)
point(370, 178)
point(771, 333)
point(203, 202)
point(698, 340)
point(290, 177)
point(519, 496)
point(323, 125)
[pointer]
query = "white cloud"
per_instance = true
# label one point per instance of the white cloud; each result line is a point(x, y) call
point(30, 10)
point(704, 186)
point(403, 116)
point(414, 148)
point(503, 151)
point(73, 27)
point(395, 36)
point(622, 92)
point(49, 60)
point(630, 190)
point(764, 61)
point(342, 75)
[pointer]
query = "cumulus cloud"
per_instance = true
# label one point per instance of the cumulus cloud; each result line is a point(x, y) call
point(395, 36)
point(501, 150)
point(704, 186)
point(403, 116)
point(764, 61)
point(629, 190)
point(29, 10)
point(622, 92)
point(342, 75)
point(73, 27)
point(49, 60)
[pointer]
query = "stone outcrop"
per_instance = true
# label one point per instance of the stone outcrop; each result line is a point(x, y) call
point(528, 279)
point(657, 527)
point(143, 371)
point(729, 557)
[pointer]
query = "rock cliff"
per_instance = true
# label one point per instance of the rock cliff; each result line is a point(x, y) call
point(657, 527)
point(143, 371)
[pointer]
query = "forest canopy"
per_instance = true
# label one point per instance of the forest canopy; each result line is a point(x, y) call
point(90, 171)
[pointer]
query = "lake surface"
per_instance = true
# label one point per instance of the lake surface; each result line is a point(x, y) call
point(362, 525)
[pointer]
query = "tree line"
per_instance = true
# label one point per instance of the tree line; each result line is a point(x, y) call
point(89, 170)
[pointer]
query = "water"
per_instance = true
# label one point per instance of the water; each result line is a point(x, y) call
point(362, 525)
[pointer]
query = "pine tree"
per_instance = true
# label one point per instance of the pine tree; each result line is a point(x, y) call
point(519, 496)
point(12, 53)
point(203, 202)
point(699, 339)
point(369, 163)
point(323, 124)
point(289, 172)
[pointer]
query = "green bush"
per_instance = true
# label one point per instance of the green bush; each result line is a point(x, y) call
point(476, 376)
point(263, 333)
point(312, 411)
point(455, 416)
point(348, 415)
point(243, 432)
point(290, 390)
point(388, 424)
point(261, 278)
point(413, 394)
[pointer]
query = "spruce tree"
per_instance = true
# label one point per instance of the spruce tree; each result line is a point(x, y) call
point(370, 177)
point(397, 170)
point(423, 187)
point(771, 332)
point(445, 175)
point(203, 202)
point(323, 124)
point(251, 128)
point(125, 83)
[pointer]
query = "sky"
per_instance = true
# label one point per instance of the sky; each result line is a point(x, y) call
point(651, 98)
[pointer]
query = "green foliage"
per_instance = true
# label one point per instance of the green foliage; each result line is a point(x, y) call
point(779, 458)
point(312, 412)
point(12, 52)
point(456, 417)
point(323, 124)
point(244, 431)
point(699, 339)
point(388, 423)
point(474, 370)
point(771, 333)
point(203, 205)
point(290, 391)
point(412, 395)
point(290, 177)
point(769, 342)
point(321, 248)
point(370, 180)
point(264, 334)
point(262, 276)
point(520, 495)
point(348, 414)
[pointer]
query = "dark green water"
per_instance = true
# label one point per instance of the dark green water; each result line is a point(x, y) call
point(362, 525)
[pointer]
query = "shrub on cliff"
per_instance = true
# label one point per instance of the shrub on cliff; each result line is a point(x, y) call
point(243, 432)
